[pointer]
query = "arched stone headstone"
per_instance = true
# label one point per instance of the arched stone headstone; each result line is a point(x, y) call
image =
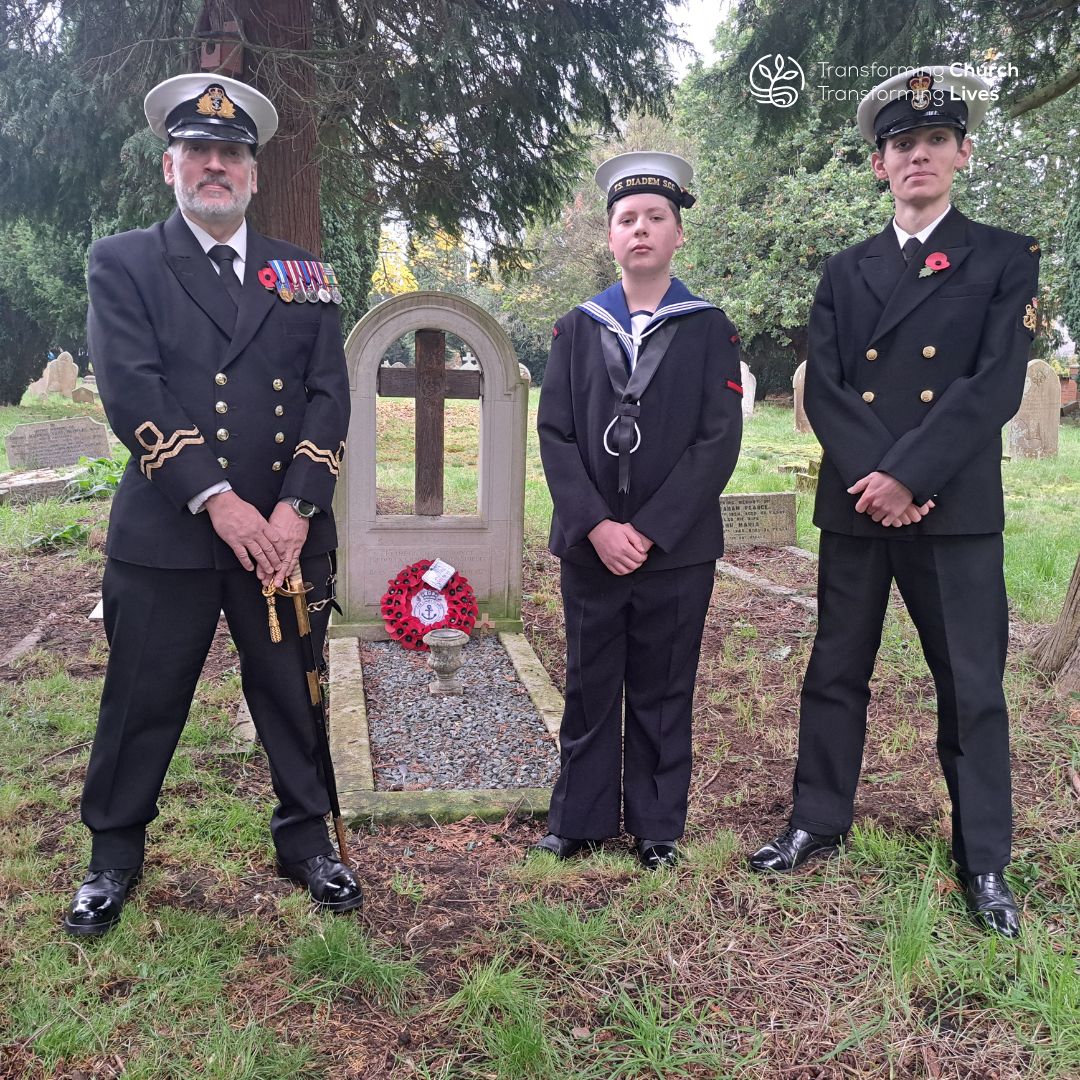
point(798, 380)
point(1033, 431)
point(485, 547)
point(62, 375)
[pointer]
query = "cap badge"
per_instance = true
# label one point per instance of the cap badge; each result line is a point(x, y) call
point(920, 84)
point(215, 102)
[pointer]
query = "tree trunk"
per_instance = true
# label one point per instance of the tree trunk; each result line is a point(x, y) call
point(1058, 654)
point(287, 204)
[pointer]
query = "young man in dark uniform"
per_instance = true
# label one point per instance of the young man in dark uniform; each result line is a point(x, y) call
point(640, 422)
point(919, 340)
point(235, 406)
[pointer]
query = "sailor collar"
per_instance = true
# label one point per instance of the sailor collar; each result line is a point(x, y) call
point(609, 309)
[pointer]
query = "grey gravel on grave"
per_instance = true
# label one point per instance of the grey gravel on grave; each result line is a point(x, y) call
point(489, 738)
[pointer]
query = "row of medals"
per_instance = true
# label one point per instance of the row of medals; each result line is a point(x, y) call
point(301, 280)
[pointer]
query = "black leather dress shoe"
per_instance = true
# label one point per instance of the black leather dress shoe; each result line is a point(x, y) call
point(562, 847)
point(654, 854)
point(332, 885)
point(99, 901)
point(792, 848)
point(992, 903)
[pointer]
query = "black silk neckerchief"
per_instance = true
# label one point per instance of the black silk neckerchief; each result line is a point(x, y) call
point(630, 391)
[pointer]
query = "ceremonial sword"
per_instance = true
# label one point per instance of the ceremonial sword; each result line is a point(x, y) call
point(297, 590)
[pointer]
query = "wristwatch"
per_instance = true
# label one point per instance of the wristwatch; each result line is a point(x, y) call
point(304, 509)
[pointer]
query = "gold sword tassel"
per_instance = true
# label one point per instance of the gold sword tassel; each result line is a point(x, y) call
point(271, 612)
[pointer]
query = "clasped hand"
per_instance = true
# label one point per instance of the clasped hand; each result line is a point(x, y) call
point(888, 501)
point(622, 549)
point(269, 547)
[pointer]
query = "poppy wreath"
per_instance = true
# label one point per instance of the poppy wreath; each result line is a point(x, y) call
point(397, 606)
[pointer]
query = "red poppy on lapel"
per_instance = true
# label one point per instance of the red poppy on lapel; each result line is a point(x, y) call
point(935, 261)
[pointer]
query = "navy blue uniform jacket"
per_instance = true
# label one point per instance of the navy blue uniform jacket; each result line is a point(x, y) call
point(691, 426)
point(915, 376)
point(199, 391)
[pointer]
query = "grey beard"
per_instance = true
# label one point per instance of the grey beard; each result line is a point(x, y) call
point(189, 200)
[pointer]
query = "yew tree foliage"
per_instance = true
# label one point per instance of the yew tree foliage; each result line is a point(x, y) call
point(1070, 308)
point(440, 111)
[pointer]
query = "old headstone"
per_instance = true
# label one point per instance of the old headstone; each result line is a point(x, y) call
point(797, 381)
point(749, 385)
point(40, 387)
point(766, 519)
point(84, 395)
point(52, 443)
point(62, 375)
point(35, 485)
point(1033, 431)
point(485, 547)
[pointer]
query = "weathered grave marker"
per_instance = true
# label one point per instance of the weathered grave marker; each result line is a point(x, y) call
point(798, 381)
point(61, 375)
point(1033, 431)
point(51, 443)
point(766, 519)
point(749, 385)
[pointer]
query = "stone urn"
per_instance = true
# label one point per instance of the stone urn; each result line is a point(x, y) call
point(445, 659)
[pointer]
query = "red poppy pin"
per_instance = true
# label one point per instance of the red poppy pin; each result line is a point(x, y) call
point(268, 278)
point(935, 261)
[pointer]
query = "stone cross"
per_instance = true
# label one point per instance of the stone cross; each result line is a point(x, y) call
point(431, 383)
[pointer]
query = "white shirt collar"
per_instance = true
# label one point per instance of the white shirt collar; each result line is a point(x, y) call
point(922, 234)
point(238, 242)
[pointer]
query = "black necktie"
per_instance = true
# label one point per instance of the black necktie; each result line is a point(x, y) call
point(223, 255)
point(908, 250)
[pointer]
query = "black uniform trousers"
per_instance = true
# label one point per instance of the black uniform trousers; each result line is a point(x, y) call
point(160, 624)
point(954, 589)
point(640, 632)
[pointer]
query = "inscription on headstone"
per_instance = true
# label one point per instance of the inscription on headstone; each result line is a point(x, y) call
point(749, 385)
point(84, 395)
point(1033, 431)
point(766, 519)
point(51, 443)
point(798, 380)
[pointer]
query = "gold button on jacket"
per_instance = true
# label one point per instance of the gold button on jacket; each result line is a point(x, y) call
point(871, 354)
point(929, 352)
point(868, 395)
point(221, 378)
point(221, 407)
point(927, 395)
point(223, 462)
point(222, 434)
point(278, 384)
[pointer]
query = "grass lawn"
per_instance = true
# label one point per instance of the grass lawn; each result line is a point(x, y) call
point(468, 963)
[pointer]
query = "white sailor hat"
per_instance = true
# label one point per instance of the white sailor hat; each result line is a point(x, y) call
point(211, 107)
point(646, 172)
point(933, 96)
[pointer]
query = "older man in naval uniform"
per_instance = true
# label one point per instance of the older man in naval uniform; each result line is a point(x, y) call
point(234, 404)
point(919, 341)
